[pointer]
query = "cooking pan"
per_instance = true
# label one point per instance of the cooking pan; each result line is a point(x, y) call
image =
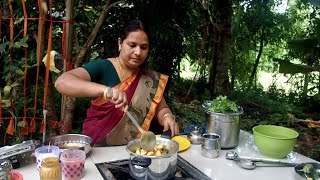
point(153, 167)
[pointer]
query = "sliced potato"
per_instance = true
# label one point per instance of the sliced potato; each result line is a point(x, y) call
point(150, 153)
point(158, 150)
point(159, 146)
point(138, 151)
point(158, 153)
point(143, 152)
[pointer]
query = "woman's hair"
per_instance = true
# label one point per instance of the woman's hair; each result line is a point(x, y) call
point(131, 26)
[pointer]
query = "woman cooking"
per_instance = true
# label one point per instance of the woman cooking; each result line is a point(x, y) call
point(120, 84)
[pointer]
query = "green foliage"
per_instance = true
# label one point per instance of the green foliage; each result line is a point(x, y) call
point(271, 102)
point(315, 152)
point(187, 114)
point(3, 46)
point(222, 104)
point(21, 43)
point(195, 102)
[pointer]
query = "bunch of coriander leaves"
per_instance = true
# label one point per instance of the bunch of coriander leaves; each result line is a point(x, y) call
point(222, 104)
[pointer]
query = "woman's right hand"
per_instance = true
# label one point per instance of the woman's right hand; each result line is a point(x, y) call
point(117, 97)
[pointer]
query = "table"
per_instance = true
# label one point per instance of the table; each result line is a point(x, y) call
point(219, 168)
point(222, 169)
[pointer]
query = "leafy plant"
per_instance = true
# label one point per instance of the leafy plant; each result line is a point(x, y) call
point(222, 104)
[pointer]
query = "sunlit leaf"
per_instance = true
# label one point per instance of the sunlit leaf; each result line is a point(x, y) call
point(20, 72)
point(88, 8)
point(14, 84)
point(18, 21)
point(21, 43)
point(5, 103)
point(21, 124)
point(7, 89)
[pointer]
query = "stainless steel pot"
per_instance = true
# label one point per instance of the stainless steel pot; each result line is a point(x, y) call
point(153, 167)
point(227, 125)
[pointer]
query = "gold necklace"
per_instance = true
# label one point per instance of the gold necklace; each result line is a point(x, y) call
point(121, 74)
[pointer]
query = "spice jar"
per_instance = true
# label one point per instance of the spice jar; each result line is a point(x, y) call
point(50, 169)
point(5, 170)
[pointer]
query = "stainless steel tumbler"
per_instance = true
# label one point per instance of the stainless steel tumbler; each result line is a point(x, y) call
point(211, 145)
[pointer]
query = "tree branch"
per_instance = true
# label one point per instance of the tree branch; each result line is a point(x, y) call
point(93, 35)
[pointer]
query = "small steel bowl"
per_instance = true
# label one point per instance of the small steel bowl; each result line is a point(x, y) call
point(195, 137)
point(71, 141)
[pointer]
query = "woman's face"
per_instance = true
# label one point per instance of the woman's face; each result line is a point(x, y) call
point(134, 49)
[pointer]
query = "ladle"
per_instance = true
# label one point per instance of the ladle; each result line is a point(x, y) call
point(249, 164)
point(252, 163)
point(148, 138)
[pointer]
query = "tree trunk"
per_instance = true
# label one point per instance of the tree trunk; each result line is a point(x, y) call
point(50, 102)
point(305, 86)
point(41, 40)
point(52, 113)
point(233, 74)
point(318, 83)
point(68, 102)
point(255, 67)
point(223, 14)
point(213, 67)
point(41, 33)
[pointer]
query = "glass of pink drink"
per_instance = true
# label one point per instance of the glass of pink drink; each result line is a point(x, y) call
point(72, 164)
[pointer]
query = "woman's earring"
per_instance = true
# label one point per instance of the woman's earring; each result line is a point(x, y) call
point(119, 49)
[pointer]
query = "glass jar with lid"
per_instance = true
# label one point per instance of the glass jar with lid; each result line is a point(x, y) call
point(50, 169)
point(5, 170)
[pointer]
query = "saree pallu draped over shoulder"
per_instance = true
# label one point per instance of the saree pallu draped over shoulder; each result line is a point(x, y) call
point(107, 125)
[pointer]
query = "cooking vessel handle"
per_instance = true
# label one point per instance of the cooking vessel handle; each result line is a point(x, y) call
point(166, 134)
point(141, 161)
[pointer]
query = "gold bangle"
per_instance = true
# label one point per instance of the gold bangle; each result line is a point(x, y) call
point(168, 114)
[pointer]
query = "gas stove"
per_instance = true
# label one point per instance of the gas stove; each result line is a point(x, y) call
point(19, 153)
point(119, 170)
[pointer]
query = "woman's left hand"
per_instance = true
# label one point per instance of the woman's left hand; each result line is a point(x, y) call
point(170, 123)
